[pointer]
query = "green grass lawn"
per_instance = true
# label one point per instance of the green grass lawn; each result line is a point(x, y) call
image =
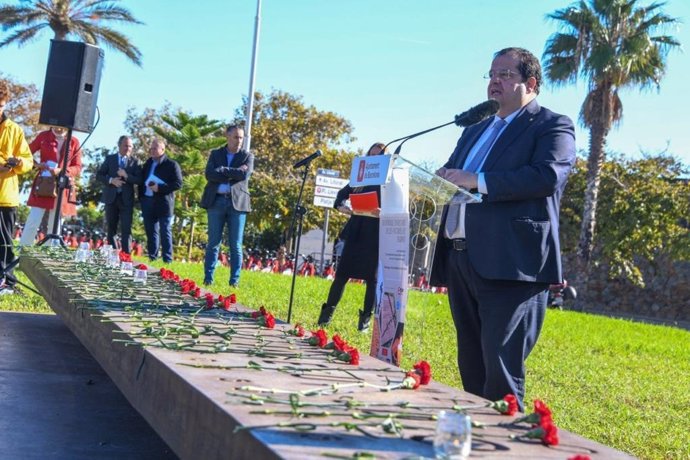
point(621, 383)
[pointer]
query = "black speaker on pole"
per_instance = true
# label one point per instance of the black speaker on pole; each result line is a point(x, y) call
point(70, 91)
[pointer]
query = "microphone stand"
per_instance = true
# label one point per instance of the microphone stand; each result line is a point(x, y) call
point(297, 217)
point(412, 136)
point(63, 184)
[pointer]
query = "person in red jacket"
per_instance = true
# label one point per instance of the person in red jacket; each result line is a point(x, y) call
point(50, 144)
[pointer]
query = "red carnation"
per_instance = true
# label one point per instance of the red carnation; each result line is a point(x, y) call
point(542, 409)
point(226, 304)
point(412, 381)
point(506, 406)
point(142, 267)
point(267, 321)
point(197, 293)
point(319, 338)
point(339, 343)
point(233, 298)
point(424, 370)
point(550, 437)
point(354, 356)
point(580, 457)
point(209, 302)
point(541, 414)
point(297, 331)
point(546, 432)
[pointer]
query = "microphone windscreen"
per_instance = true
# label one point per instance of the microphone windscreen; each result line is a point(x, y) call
point(477, 113)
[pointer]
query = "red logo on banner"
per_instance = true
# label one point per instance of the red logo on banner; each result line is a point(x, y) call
point(360, 173)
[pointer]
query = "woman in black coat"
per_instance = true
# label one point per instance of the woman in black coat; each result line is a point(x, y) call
point(360, 255)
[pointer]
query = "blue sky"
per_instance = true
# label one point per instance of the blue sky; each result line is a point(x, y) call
point(391, 67)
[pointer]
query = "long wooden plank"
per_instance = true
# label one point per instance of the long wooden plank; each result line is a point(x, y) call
point(196, 400)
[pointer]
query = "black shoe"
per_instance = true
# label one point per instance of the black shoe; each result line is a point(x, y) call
point(364, 321)
point(326, 315)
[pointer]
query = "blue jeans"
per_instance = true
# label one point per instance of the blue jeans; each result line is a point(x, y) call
point(222, 213)
point(156, 225)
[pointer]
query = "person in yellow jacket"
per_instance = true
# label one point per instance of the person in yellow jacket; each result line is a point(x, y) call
point(15, 159)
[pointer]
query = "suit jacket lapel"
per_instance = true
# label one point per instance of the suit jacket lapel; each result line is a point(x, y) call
point(238, 159)
point(512, 132)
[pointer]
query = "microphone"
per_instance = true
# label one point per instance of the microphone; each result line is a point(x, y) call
point(474, 115)
point(477, 113)
point(307, 160)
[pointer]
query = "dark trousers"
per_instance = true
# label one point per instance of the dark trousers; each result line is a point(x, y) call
point(497, 323)
point(119, 212)
point(158, 231)
point(338, 286)
point(8, 215)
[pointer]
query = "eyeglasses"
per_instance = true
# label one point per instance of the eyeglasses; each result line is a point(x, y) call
point(503, 74)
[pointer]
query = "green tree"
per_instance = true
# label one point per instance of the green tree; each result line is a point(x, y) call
point(139, 126)
point(23, 108)
point(643, 213)
point(87, 19)
point(90, 189)
point(190, 139)
point(284, 130)
point(611, 44)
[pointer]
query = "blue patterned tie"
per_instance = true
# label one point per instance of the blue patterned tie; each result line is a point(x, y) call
point(473, 165)
point(477, 160)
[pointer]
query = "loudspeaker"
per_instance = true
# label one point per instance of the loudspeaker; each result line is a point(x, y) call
point(70, 91)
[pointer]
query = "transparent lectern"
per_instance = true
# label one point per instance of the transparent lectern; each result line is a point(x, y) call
point(412, 201)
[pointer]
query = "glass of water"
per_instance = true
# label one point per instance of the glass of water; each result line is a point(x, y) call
point(453, 440)
point(127, 268)
point(140, 275)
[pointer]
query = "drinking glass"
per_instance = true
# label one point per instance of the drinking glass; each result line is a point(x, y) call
point(140, 276)
point(127, 268)
point(453, 440)
point(81, 255)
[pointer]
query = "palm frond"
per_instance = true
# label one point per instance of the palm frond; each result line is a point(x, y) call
point(22, 36)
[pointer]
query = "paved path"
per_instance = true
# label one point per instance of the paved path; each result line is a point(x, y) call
point(56, 402)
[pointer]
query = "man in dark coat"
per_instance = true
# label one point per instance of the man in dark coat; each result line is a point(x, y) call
point(499, 256)
point(119, 173)
point(160, 178)
point(227, 202)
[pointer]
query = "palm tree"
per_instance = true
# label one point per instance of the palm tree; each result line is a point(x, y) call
point(83, 18)
point(190, 139)
point(611, 44)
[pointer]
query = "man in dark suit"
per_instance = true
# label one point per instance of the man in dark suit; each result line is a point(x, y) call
point(161, 177)
point(226, 200)
point(119, 173)
point(499, 256)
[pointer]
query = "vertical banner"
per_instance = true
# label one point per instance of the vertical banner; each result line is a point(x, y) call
point(392, 280)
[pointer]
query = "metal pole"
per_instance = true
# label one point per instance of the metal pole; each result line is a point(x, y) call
point(323, 240)
point(252, 78)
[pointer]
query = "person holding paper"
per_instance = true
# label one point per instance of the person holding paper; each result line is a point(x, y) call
point(50, 147)
point(161, 177)
point(499, 256)
point(15, 159)
point(119, 173)
point(360, 254)
point(227, 202)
